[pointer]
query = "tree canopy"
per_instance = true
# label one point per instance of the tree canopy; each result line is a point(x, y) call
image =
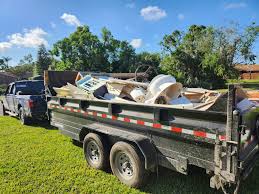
point(201, 56)
point(4, 63)
point(43, 60)
point(84, 51)
point(206, 56)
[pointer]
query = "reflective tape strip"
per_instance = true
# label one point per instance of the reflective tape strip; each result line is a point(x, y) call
point(196, 132)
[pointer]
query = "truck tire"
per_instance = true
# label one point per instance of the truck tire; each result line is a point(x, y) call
point(2, 109)
point(96, 151)
point(23, 118)
point(128, 165)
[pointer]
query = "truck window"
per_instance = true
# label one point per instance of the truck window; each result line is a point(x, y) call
point(9, 89)
point(13, 89)
point(30, 87)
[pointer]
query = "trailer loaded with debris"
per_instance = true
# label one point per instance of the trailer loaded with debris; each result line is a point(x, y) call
point(135, 127)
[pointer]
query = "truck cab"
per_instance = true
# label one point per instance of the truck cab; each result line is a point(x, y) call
point(25, 99)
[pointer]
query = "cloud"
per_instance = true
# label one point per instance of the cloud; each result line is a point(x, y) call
point(4, 46)
point(152, 13)
point(235, 5)
point(136, 43)
point(181, 16)
point(53, 25)
point(70, 19)
point(130, 5)
point(29, 38)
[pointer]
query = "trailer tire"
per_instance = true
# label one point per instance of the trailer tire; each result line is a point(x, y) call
point(23, 118)
point(96, 151)
point(127, 164)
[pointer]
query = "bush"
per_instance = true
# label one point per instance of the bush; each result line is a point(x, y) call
point(2, 89)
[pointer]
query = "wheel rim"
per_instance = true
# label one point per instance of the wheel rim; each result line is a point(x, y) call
point(124, 165)
point(93, 152)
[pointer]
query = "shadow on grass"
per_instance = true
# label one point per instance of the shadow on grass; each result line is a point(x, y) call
point(169, 181)
point(43, 123)
point(197, 181)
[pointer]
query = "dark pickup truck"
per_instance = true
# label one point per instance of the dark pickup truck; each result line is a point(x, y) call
point(25, 99)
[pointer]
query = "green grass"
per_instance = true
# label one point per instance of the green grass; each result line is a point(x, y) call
point(40, 160)
point(252, 81)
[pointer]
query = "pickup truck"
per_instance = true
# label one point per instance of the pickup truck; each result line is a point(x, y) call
point(134, 138)
point(25, 99)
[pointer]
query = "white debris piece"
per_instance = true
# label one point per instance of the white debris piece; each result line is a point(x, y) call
point(138, 94)
point(162, 89)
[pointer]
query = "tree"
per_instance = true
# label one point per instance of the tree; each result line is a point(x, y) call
point(205, 56)
point(4, 63)
point(24, 68)
point(27, 59)
point(43, 60)
point(81, 51)
point(146, 58)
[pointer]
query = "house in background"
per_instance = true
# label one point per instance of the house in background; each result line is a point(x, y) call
point(248, 71)
point(6, 78)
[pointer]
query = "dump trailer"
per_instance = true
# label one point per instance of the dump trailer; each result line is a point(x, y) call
point(134, 138)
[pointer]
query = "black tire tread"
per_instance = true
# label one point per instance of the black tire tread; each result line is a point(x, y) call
point(142, 174)
point(103, 149)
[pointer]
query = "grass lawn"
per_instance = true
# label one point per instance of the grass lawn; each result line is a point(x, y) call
point(40, 160)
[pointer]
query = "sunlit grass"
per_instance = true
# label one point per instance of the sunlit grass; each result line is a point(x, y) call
point(37, 159)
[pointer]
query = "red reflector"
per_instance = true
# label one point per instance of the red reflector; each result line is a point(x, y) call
point(157, 125)
point(199, 133)
point(126, 119)
point(104, 115)
point(30, 103)
point(140, 122)
point(176, 129)
point(114, 117)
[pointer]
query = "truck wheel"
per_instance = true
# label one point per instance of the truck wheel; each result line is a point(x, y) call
point(96, 151)
point(2, 109)
point(127, 164)
point(24, 119)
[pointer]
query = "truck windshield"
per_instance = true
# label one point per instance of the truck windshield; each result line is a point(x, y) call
point(29, 88)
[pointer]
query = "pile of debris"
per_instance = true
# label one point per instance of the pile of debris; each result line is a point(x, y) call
point(163, 89)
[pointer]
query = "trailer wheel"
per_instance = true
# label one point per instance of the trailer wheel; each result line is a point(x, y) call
point(95, 150)
point(23, 118)
point(127, 164)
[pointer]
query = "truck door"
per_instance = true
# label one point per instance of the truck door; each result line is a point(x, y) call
point(10, 98)
point(5, 101)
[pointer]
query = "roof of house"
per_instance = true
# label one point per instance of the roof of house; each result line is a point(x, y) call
point(7, 74)
point(247, 68)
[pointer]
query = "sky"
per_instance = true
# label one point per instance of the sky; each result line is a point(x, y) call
point(25, 24)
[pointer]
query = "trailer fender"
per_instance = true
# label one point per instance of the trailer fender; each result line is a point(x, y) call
point(143, 143)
